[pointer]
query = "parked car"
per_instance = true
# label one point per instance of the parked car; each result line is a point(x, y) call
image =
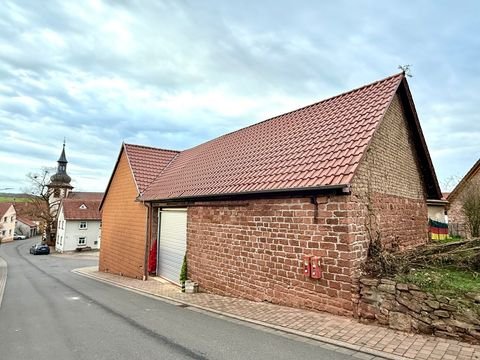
point(19, 237)
point(39, 249)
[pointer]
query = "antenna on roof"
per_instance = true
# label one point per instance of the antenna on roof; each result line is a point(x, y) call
point(406, 70)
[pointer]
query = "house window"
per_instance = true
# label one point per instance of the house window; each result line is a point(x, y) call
point(3, 232)
point(83, 206)
point(83, 225)
point(56, 193)
point(82, 241)
point(11, 219)
point(5, 219)
point(10, 232)
point(95, 242)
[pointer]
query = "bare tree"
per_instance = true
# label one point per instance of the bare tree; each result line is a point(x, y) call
point(471, 207)
point(40, 206)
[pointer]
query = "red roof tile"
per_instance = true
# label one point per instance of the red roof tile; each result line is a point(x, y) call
point(315, 146)
point(72, 209)
point(147, 163)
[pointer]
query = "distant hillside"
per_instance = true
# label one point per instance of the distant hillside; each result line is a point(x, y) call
point(8, 197)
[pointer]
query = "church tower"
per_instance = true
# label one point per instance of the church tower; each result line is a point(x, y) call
point(59, 187)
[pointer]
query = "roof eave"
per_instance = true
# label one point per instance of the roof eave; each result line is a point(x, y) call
point(434, 186)
point(345, 189)
point(462, 182)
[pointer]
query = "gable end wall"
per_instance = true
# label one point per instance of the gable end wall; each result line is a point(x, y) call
point(122, 248)
point(388, 192)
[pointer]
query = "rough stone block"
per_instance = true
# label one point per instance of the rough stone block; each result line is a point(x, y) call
point(440, 325)
point(388, 288)
point(463, 326)
point(433, 304)
point(402, 287)
point(410, 304)
point(473, 296)
point(442, 313)
point(400, 321)
point(418, 294)
point(422, 327)
point(387, 281)
point(369, 282)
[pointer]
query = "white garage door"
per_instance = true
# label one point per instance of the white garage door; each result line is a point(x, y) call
point(172, 243)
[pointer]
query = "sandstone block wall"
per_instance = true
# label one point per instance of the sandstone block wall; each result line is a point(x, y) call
point(404, 307)
point(254, 249)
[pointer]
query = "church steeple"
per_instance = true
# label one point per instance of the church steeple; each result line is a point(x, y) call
point(61, 177)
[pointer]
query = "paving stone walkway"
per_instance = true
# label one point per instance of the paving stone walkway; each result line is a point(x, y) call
point(374, 341)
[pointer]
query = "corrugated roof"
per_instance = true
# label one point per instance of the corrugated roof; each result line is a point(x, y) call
point(147, 163)
point(315, 146)
point(73, 209)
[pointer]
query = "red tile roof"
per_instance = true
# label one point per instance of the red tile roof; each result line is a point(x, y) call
point(26, 221)
point(78, 195)
point(147, 163)
point(72, 209)
point(316, 146)
point(4, 206)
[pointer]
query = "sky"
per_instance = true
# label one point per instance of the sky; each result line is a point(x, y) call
point(174, 74)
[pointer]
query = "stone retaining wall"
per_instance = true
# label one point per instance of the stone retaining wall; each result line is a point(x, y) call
point(405, 307)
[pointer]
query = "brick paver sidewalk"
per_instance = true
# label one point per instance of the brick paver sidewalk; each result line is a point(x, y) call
point(336, 330)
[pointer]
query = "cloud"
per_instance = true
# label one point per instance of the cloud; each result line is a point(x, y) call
point(174, 74)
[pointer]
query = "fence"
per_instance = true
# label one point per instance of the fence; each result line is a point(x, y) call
point(458, 229)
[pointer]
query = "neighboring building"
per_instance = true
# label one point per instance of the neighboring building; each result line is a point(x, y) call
point(7, 222)
point(437, 210)
point(457, 220)
point(79, 222)
point(124, 219)
point(58, 189)
point(25, 226)
point(324, 180)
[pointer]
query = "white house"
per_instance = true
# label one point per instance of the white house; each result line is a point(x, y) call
point(79, 222)
point(7, 221)
point(25, 226)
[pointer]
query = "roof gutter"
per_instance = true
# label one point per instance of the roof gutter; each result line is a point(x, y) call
point(345, 189)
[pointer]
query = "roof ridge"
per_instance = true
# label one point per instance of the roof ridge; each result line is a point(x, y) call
point(152, 147)
point(400, 74)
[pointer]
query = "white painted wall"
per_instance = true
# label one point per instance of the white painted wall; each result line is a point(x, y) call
point(67, 237)
point(7, 224)
point(60, 231)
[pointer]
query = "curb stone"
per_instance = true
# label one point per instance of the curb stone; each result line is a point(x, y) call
point(326, 340)
point(3, 278)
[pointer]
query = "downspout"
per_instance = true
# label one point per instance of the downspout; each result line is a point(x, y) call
point(148, 239)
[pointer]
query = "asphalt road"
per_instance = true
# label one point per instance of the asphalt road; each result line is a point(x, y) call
point(48, 312)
